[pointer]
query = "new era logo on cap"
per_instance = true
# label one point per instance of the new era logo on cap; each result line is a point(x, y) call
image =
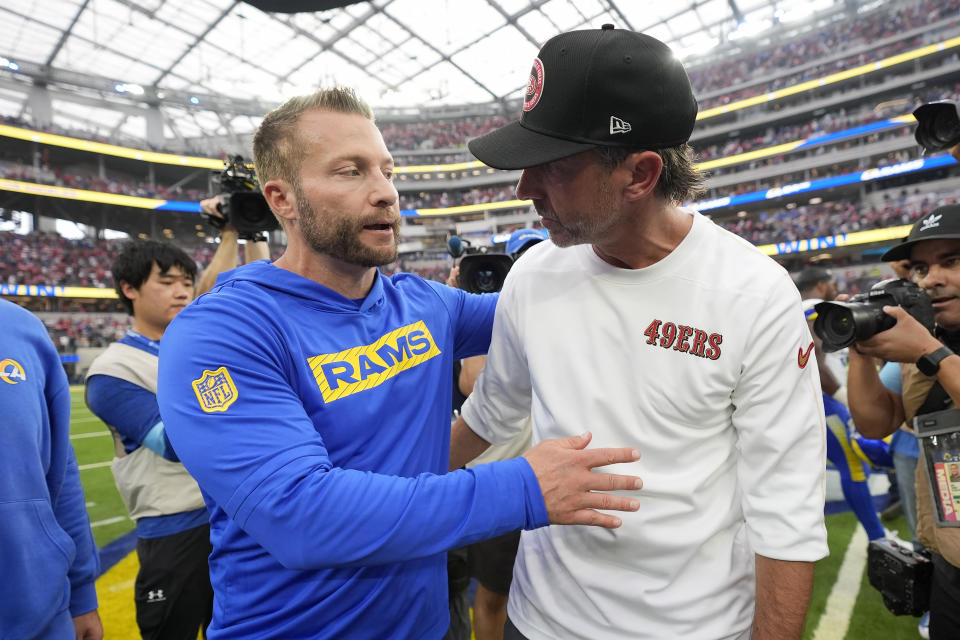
point(619, 126)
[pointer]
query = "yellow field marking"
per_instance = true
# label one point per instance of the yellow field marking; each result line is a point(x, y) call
point(115, 595)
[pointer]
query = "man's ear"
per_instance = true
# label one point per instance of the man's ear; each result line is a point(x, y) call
point(281, 199)
point(645, 168)
point(129, 290)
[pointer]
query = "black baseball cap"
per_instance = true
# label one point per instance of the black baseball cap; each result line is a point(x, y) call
point(943, 223)
point(595, 88)
point(811, 277)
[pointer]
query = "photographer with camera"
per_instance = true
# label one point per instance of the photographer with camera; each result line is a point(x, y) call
point(930, 377)
point(816, 285)
point(155, 280)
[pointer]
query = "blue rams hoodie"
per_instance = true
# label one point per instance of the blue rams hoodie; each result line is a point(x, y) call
point(48, 562)
point(318, 429)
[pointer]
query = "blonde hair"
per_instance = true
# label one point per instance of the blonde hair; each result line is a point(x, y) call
point(276, 153)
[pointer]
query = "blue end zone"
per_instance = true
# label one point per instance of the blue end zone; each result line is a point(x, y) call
point(840, 506)
point(117, 550)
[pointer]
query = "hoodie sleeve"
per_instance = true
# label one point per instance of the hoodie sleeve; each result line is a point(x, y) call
point(231, 409)
point(66, 492)
point(471, 315)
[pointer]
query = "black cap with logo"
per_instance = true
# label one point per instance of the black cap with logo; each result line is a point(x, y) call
point(598, 87)
point(943, 223)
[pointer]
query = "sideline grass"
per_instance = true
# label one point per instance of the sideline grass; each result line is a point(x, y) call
point(103, 501)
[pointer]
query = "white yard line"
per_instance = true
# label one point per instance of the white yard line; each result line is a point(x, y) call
point(94, 465)
point(103, 523)
point(85, 420)
point(92, 434)
point(835, 620)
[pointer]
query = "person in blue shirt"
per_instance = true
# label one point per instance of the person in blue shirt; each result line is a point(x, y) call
point(47, 555)
point(155, 281)
point(310, 398)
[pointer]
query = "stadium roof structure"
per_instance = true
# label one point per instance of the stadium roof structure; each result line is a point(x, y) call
point(176, 70)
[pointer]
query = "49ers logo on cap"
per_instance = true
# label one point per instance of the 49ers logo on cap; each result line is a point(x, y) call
point(534, 86)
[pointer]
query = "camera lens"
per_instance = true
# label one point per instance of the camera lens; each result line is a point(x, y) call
point(835, 326)
point(486, 281)
point(945, 128)
point(840, 326)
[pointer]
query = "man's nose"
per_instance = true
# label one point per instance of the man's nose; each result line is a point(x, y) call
point(529, 187)
point(384, 193)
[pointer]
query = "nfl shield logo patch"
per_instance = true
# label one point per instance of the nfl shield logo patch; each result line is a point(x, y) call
point(215, 390)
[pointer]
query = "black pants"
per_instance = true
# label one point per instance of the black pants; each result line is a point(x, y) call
point(172, 592)
point(944, 600)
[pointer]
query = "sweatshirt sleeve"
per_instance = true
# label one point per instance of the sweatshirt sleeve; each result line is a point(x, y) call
point(472, 318)
point(68, 503)
point(256, 453)
point(778, 416)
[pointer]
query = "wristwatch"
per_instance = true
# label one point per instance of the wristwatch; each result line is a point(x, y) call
point(929, 363)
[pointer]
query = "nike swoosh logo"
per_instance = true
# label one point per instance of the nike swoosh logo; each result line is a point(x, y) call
point(803, 358)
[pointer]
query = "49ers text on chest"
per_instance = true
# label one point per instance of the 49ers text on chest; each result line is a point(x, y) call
point(684, 339)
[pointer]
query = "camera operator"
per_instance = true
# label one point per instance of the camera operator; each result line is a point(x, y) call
point(929, 363)
point(225, 258)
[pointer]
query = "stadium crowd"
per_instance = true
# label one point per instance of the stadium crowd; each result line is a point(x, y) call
point(828, 41)
point(834, 218)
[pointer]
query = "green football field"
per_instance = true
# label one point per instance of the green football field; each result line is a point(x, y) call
point(94, 448)
point(844, 606)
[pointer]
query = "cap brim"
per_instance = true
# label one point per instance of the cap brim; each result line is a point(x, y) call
point(516, 147)
point(902, 250)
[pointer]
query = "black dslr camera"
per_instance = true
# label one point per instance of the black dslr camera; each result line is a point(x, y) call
point(901, 576)
point(938, 125)
point(241, 202)
point(840, 324)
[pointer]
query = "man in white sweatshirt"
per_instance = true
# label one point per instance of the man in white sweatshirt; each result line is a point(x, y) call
point(649, 325)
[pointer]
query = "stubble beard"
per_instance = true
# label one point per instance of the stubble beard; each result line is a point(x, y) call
point(590, 228)
point(339, 237)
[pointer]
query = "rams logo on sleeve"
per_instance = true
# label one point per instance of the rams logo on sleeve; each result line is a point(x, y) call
point(363, 367)
point(11, 371)
point(215, 390)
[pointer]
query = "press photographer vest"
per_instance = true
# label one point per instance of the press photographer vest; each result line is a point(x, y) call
point(916, 388)
point(149, 484)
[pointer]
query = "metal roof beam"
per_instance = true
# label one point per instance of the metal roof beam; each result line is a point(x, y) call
point(65, 34)
point(327, 45)
point(444, 56)
point(193, 45)
point(511, 20)
point(152, 15)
